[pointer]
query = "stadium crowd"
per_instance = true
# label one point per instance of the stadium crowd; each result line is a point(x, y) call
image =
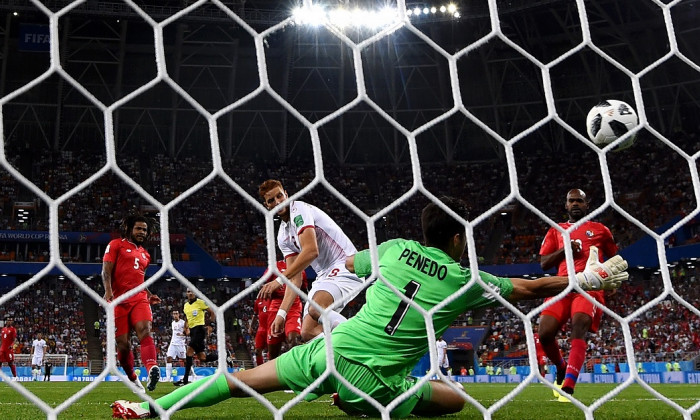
point(173, 297)
point(230, 228)
point(666, 331)
point(52, 306)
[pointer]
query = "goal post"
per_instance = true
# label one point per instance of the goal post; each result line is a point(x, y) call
point(59, 364)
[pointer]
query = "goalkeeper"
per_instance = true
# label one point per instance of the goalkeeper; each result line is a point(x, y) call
point(376, 349)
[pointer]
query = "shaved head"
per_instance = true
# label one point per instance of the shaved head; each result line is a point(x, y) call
point(578, 192)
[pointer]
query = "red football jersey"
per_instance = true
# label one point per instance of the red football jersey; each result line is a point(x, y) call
point(589, 233)
point(130, 263)
point(8, 335)
point(260, 308)
point(279, 293)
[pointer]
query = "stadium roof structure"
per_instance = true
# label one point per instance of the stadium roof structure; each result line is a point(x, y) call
point(108, 48)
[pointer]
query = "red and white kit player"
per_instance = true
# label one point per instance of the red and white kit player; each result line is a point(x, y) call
point(308, 236)
point(8, 334)
point(541, 356)
point(584, 315)
point(123, 269)
point(260, 313)
point(266, 311)
point(292, 324)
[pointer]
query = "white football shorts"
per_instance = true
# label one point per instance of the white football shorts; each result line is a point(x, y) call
point(343, 287)
point(177, 351)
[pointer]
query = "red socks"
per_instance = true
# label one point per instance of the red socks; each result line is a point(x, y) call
point(576, 359)
point(553, 352)
point(148, 352)
point(126, 360)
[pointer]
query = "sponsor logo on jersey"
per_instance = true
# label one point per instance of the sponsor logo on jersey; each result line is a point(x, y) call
point(298, 220)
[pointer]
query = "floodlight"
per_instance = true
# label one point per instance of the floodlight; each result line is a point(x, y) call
point(340, 18)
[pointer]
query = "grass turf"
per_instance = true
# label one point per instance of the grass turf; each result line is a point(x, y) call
point(534, 402)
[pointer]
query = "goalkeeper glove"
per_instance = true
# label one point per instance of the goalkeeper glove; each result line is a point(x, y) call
point(602, 276)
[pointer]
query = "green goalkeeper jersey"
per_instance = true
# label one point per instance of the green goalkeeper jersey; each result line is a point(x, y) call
point(388, 335)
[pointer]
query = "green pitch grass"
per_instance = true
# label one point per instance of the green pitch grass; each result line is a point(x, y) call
point(534, 402)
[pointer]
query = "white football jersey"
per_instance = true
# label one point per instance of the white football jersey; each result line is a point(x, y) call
point(334, 246)
point(441, 347)
point(39, 346)
point(178, 332)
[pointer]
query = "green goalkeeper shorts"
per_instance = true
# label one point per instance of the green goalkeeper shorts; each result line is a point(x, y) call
point(302, 365)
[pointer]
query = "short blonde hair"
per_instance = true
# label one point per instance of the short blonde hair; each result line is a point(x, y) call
point(268, 185)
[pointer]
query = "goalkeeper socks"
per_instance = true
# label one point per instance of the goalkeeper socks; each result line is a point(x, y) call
point(577, 355)
point(148, 352)
point(188, 369)
point(214, 393)
point(126, 360)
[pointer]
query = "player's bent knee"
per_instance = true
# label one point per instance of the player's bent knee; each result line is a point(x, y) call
point(314, 313)
point(308, 335)
point(310, 328)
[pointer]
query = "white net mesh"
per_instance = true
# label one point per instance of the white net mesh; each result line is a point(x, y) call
point(358, 47)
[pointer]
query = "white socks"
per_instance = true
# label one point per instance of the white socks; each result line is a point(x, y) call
point(335, 319)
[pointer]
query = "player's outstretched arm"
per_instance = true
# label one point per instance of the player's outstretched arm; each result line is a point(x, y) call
point(597, 276)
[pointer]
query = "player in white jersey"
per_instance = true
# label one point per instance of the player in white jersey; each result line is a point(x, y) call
point(443, 362)
point(177, 348)
point(38, 347)
point(309, 237)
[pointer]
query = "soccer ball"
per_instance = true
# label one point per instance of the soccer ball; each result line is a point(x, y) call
point(610, 120)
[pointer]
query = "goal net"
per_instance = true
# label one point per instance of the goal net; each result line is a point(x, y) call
point(59, 365)
point(500, 123)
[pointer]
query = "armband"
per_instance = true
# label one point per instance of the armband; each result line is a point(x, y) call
point(282, 313)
